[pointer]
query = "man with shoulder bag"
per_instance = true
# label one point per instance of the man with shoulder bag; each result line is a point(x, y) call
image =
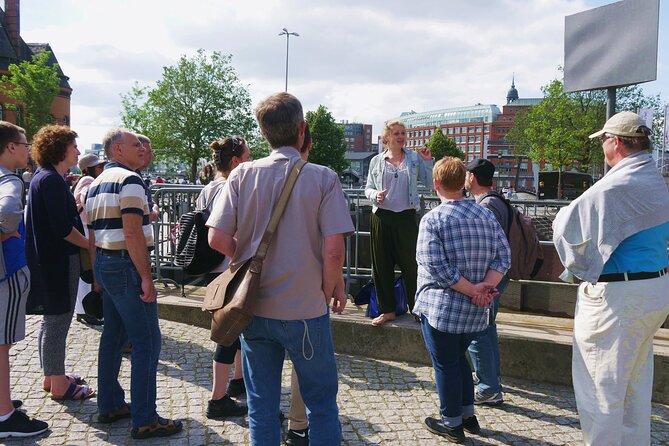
point(302, 272)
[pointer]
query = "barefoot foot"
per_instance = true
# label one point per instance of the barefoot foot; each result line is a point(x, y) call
point(382, 319)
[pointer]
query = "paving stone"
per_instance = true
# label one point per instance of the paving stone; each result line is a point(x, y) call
point(381, 402)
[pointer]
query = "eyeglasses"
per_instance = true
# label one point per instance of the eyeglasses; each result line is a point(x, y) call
point(28, 146)
point(136, 145)
point(604, 137)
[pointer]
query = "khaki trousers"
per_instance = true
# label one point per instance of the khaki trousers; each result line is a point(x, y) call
point(612, 363)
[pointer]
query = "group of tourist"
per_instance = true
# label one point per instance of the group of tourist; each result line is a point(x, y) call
point(454, 263)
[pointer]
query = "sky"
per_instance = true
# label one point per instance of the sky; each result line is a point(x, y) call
point(365, 60)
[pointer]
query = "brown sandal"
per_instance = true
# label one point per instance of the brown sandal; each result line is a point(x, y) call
point(123, 412)
point(159, 428)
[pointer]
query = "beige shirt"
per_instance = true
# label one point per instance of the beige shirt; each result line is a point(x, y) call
point(291, 281)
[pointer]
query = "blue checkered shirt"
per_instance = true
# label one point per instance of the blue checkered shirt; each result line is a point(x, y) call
point(457, 239)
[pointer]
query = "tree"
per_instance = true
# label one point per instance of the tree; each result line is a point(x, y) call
point(197, 101)
point(33, 85)
point(557, 130)
point(441, 145)
point(328, 147)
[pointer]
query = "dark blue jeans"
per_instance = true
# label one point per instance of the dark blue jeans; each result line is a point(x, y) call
point(484, 350)
point(309, 345)
point(127, 318)
point(451, 371)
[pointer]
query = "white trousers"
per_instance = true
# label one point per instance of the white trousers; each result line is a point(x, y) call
point(612, 363)
point(83, 289)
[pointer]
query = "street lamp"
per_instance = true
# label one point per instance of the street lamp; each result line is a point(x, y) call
point(287, 34)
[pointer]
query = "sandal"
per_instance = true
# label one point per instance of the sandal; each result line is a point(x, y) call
point(159, 428)
point(123, 412)
point(72, 377)
point(75, 392)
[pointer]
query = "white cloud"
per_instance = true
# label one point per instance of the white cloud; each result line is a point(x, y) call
point(365, 61)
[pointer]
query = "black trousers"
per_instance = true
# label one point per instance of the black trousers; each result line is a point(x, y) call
point(393, 242)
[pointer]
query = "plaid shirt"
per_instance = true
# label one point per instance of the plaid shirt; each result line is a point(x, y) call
point(457, 239)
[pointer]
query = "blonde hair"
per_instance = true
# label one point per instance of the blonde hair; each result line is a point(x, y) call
point(388, 130)
point(450, 173)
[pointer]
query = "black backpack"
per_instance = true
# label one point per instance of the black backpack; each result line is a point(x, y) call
point(526, 255)
point(193, 252)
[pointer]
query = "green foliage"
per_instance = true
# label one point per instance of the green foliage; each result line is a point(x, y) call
point(259, 146)
point(197, 101)
point(329, 147)
point(556, 130)
point(441, 145)
point(33, 85)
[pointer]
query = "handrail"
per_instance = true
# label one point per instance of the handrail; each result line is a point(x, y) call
point(174, 200)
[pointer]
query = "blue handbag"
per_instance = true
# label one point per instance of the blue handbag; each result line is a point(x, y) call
point(401, 306)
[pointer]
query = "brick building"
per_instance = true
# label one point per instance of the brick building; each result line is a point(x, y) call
point(13, 50)
point(358, 137)
point(479, 132)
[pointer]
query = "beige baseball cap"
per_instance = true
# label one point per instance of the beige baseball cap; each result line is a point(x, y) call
point(624, 124)
point(89, 160)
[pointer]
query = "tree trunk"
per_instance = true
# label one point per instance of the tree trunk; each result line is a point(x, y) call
point(193, 171)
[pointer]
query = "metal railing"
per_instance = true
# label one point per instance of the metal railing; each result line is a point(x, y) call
point(175, 200)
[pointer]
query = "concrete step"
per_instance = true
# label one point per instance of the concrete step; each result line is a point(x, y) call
point(532, 347)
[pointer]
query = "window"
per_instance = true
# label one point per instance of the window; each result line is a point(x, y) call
point(450, 130)
point(478, 129)
point(470, 129)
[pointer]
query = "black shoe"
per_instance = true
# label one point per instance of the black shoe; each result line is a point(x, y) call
point(90, 320)
point(21, 425)
point(236, 387)
point(298, 437)
point(225, 407)
point(452, 434)
point(471, 425)
point(17, 403)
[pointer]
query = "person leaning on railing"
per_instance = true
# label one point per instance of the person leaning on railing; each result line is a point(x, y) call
point(392, 186)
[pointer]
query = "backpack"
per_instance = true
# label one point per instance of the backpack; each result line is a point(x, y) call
point(526, 255)
point(193, 252)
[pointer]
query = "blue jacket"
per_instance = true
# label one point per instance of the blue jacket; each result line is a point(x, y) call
point(418, 171)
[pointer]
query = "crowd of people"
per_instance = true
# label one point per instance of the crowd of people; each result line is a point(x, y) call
point(454, 264)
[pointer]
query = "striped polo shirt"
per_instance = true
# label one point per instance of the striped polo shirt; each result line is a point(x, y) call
point(118, 190)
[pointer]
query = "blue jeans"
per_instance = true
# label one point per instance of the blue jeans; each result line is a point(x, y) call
point(309, 345)
point(484, 350)
point(127, 318)
point(451, 371)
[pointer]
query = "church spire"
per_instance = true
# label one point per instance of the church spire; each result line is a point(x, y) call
point(512, 94)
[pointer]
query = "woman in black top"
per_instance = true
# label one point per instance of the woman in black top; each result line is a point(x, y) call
point(53, 242)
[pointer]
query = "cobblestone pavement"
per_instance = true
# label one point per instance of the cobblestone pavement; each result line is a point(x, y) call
point(381, 402)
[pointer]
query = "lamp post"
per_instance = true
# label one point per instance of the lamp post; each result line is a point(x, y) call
point(287, 34)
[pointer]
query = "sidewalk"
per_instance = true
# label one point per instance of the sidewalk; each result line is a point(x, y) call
point(381, 402)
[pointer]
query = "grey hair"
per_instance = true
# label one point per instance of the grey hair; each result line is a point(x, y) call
point(143, 139)
point(113, 136)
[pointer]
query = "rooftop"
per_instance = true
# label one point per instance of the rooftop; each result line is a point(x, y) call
point(455, 115)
